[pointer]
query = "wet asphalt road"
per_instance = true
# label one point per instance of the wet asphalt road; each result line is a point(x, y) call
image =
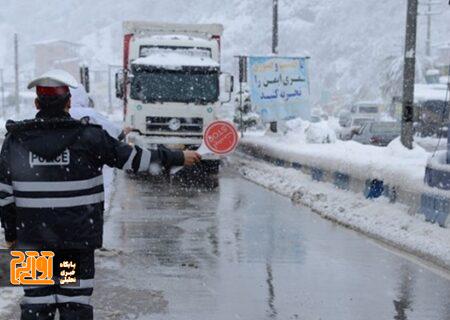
point(242, 252)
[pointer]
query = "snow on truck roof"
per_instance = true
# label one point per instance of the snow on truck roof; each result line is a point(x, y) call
point(146, 28)
point(182, 37)
point(174, 60)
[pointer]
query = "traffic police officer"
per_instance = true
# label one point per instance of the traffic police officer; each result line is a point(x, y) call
point(52, 195)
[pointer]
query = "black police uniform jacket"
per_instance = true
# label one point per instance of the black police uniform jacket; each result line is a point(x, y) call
point(51, 184)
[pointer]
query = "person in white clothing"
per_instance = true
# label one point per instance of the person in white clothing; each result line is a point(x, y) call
point(80, 109)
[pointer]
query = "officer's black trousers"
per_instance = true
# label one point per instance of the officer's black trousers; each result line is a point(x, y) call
point(72, 302)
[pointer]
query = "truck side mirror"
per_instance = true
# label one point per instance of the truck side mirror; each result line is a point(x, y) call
point(119, 82)
point(84, 77)
point(227, 83)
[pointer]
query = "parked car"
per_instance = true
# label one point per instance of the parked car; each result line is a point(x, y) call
point(377, 133)
point(366, 109)
point(345, 118)
point(315, 119)
point(354, 126)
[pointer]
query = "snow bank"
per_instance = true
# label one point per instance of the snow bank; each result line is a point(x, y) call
point(298, 131)
point(431, 143)
point(320, 133)
point(393, 164)
point(424, 92)
point(377, 218)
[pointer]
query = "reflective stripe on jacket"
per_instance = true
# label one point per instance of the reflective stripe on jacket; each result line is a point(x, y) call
point(51, 184)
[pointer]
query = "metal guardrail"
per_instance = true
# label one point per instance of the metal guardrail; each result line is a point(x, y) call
point(433, 205)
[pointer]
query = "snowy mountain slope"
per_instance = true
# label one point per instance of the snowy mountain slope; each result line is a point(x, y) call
point(348, 40)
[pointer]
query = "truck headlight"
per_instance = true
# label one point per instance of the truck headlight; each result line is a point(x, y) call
point(174, 124)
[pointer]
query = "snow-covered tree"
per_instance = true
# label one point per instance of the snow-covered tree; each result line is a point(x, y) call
point(244, 115)
point(391, 76)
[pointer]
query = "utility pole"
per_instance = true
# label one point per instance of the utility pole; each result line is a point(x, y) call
point(409, 74)
point(110, 89)
point(242, 78)
point(275, 27)
point(429, 13)
point(273, 124)
point(3, 93)
point(16, 73)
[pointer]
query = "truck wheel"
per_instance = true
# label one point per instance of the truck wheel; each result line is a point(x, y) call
point(211, 166)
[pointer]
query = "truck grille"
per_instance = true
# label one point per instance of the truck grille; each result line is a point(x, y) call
point(161, 124)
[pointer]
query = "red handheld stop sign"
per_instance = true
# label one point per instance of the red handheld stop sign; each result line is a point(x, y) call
point(220, 137)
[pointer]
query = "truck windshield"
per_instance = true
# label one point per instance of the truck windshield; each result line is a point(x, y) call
point(196, 85)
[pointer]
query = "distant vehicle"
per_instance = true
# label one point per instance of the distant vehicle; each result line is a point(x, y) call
point(430, 109)
point(318, 115)
point(171, 83)
point(366, 109)
point(345, 119)
point(359, 122)
point(377, 133)
point(315, 118)
point(356, 124)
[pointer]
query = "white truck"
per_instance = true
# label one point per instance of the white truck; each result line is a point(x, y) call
point(171, 84)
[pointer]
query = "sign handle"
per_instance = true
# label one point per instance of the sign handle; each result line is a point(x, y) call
point(203, 150)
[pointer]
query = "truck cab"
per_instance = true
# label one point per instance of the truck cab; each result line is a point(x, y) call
point(171, 83)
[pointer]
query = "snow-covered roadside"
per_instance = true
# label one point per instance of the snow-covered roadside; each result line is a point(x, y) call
point(431, 144)
point(376, 218)
point(392, 164)
point(318, 148)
